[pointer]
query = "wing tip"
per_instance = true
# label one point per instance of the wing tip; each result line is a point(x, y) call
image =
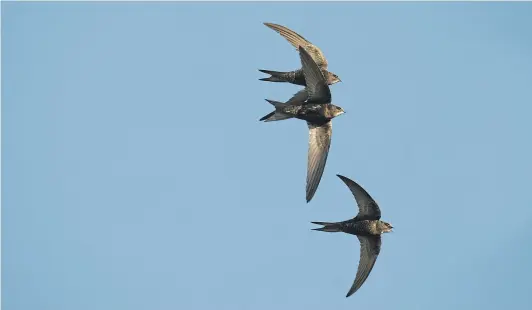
point(311, 191)
point(273, 26)
point(310, 194)
point(344, 179)
point(351, 291)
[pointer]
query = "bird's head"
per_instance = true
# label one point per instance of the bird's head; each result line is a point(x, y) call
point(385, 227)
point(333, 78)
point(336, 110)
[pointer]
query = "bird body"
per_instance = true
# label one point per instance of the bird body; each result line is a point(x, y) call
point(367, 226)
point(313, 113)
point(297, 76)
point(355, 227)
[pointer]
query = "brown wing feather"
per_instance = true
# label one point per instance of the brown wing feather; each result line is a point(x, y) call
point(317, 87)
point(318, 150)
point(370, 247)
point(297, 40)
point(299, 97)
point(368, 209)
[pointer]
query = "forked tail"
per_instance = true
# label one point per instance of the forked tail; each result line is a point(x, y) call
point(328, 227)
point(276, 115)
point(275, 76)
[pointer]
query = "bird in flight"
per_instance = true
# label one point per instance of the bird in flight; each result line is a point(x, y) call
point(367, 226)
point(297, 76)
point(312, 104)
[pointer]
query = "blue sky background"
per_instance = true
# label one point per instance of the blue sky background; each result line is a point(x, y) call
point(136, 174)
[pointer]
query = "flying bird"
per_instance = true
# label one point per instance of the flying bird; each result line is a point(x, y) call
point(312, 104)
point(367, 226)
point(297, 76)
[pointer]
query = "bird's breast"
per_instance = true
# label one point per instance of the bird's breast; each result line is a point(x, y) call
point(362, 228)
point(314, 113)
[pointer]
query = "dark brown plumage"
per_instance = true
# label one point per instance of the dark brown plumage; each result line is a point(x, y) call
point(367, 226)
point(312, 104)
point(297, 76)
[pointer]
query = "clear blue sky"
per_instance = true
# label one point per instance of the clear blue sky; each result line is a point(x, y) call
point(136, 174)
